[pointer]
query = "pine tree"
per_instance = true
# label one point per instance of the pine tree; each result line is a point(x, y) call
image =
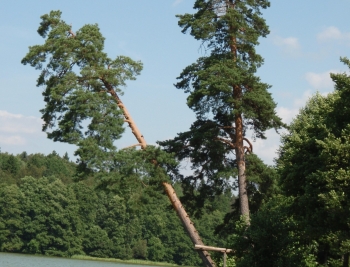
point(78, 98)
point(224, 92)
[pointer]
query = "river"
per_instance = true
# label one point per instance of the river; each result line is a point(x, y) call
point(22, 260)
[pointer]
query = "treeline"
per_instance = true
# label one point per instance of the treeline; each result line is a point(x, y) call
point(43, 211)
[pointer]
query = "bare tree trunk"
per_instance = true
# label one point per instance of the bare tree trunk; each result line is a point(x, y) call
point(242, 179)
point(190, 229)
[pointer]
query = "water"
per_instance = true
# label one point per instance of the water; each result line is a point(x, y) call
point(21, 260)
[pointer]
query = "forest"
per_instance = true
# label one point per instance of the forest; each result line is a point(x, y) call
point(44, 210)
point(114, 202)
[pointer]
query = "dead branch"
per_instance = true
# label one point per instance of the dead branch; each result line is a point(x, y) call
point(71, 32)
point(247, 150)
point(132, 146)
point(250, 145)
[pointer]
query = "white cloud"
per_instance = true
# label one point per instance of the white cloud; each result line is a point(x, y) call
point(289, 45)
point(15, 129)
point(12, 140)
point(18, 123)
point(300, 102)
point(267, 149)
point(177, 2)
point(333, 33)
point(287, 114)
point(290, 42)
point(322, 80)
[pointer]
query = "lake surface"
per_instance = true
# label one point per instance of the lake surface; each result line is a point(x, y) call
point(22, 260)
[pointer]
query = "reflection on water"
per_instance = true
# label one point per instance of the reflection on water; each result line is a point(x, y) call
point(21, 260)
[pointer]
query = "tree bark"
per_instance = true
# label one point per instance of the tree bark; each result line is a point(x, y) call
point(242, 179)
point(181, 212)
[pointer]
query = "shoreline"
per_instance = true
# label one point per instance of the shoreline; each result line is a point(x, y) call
point(90, 258)
point(132, 261)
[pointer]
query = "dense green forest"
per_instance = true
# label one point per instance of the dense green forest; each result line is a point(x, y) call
point(44, 211)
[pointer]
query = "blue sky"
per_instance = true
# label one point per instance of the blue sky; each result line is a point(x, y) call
point(306, 41)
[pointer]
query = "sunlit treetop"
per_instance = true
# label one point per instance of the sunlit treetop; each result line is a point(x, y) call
point(80, 83)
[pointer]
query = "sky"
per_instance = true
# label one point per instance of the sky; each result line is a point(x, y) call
point(306, 42)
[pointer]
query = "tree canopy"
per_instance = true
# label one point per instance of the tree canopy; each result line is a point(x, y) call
point(314, 168)
point(79, 80)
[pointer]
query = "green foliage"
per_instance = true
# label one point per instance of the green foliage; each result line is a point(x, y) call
point(314, 168)
point(230, 262)
point(274, 238)
point(79, 78)
point(10, 164)
point(52, 224)
point(12, 168)
point(140, 249)
point(11, 219)
point(44, 216)
point(40, 217)
point(96, 242)
point(211, 79)
point(126, 216)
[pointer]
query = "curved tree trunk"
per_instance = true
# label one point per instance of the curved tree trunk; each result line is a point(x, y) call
point(181, 212)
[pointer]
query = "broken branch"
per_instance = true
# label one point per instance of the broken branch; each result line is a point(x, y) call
point(250, 145)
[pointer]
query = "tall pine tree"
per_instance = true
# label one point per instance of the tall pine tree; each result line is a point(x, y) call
point(224, 92)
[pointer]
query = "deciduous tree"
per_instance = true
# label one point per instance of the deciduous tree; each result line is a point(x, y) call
point(314, 167)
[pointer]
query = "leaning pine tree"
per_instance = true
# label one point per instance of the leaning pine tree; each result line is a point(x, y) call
point(81, 90)
point(226, 95)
